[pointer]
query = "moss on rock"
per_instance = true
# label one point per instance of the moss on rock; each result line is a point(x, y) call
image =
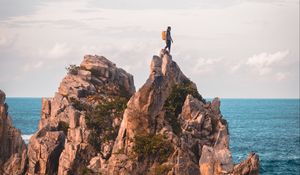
point(173, 104)
point(100, 120)
point(153, 145)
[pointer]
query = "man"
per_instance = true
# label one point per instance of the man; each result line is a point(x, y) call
point(168, 39)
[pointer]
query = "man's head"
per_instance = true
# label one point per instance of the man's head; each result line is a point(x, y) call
point(169, 28)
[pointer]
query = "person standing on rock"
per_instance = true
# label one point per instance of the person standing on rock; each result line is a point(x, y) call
point(168, 39)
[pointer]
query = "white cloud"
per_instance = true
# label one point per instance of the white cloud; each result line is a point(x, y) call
point(33, 65)
point(3, 41)
point(263, 62)
point(280, 76)
point(205, 65)
point(6, 40)
point(58, 50)
point(235, 67)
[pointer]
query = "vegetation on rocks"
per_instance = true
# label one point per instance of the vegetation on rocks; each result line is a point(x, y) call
point(101, 110)
point(63, 126)
point(173, 104)
point(79, 105)
point(100, 120)
point(162, 169)
point(153, 145)
point(72, 69)
point(82, 170)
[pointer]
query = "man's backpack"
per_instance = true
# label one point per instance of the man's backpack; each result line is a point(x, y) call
point(164, 35)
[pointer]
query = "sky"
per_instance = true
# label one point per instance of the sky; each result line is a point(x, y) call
point(229, 48)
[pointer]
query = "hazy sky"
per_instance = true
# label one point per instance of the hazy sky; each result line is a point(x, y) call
point(230, 48)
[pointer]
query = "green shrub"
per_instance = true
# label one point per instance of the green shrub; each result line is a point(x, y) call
point(173, 104)
point(79, 105)
point(82, 170)
point(94, 140)
point(153, 145)
point(63, 126)
point(85, 171)
point(120, 151)
point(100, 120)
point(73, 69)
point(162, 169)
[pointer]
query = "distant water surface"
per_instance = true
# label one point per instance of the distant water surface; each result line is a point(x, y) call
point(25, 113)
point(269, 127)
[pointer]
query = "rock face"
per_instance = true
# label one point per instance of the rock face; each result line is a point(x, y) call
point(168, 110)
point(12, 147)
point(97, 124)
point(80, 121)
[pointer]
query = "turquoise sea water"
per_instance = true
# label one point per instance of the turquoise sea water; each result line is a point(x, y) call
point(269, 127)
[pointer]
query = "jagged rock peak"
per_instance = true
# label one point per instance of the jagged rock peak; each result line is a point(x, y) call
point(168, 128)
point(80, 122)
point(12, 147)
point(97, 124)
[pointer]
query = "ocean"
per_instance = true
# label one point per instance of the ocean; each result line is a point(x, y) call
point(269, 127)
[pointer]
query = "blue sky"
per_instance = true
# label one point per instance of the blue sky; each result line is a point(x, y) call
point(230, 48)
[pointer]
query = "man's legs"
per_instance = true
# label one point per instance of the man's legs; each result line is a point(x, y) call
point(169, 46)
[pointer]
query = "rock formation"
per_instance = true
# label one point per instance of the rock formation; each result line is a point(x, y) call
point(81, 121)
point(168, 128)
point(97, 124)
point(12, 147)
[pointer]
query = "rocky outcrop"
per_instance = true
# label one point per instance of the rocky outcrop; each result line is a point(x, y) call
point(79, 123)
point(12, 147)
point(97, 124)
point(248, 166)
point(169, 106)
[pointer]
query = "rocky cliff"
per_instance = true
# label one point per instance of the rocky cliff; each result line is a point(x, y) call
point(12, 147)
point(97, 124)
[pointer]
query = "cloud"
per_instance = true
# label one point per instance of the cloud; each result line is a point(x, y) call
point(9, 8)
point(280, 76)
point(3, 41)
point(205, 65)
point(235, 67)
point(263, 62)
point(58, 50)
point(33, 65)
point(157, 4)
point(6, 40)
point(280, 2)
